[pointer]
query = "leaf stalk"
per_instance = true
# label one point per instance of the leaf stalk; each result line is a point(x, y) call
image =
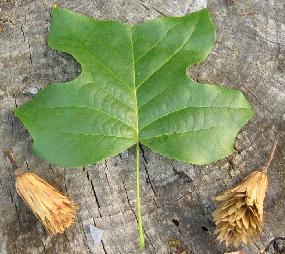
point(11, 158)
point(265, 167)
point(138, 200)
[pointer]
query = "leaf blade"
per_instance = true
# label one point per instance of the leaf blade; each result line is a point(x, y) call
point(133, 88)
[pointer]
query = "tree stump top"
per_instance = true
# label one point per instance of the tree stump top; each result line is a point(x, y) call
point(176, 197)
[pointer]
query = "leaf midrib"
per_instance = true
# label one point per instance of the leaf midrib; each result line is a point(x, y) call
point(134, 86)
point(172, 55)
point(136, 129)
point(159, 41)
point(102, 64)
point(134, 71)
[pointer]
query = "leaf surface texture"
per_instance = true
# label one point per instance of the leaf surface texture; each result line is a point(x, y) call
point(133, 88)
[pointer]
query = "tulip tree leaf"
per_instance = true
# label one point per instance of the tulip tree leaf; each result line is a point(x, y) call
point(133, 88)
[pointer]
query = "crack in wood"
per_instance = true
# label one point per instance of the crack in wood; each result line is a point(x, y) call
point(27, 165)
point(68, 242)
point(143, 154)
point(150, 181)
point(254, 39)
point(128, 200)
point(107, 179)
point(106, 175)
point(64, 181)
point(94, 193)
point(149, 240)
point(22, 30)
point(223, 45)
point(103, 246)
point(143, 5)
point(44, 247)
point(85, 236)
point(158, 11)
point(16, 208)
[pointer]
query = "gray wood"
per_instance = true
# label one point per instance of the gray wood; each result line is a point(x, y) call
point(176, 197)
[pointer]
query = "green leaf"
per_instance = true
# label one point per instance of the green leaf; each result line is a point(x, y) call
point(133, 88)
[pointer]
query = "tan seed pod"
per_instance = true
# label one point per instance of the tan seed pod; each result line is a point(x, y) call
point(55, 210)
point(240, 216)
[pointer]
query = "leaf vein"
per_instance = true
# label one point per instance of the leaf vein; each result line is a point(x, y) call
point(102, 64)
point(190, 107)
point(161, 39)
point(93, 134)
point(86, 107)
point(116, 98)
point(175, 53)
point(184, 132)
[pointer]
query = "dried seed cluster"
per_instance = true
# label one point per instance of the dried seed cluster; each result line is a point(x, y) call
point(240, 217)
point(55, 210)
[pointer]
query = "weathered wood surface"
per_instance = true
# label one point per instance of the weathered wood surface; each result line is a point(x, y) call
point(176, 197)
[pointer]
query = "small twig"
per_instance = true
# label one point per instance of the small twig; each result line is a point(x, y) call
point(11, 158)
point(270, 157)
point(13, 162)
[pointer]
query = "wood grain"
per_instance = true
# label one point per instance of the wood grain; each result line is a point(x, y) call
point(176, 197)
